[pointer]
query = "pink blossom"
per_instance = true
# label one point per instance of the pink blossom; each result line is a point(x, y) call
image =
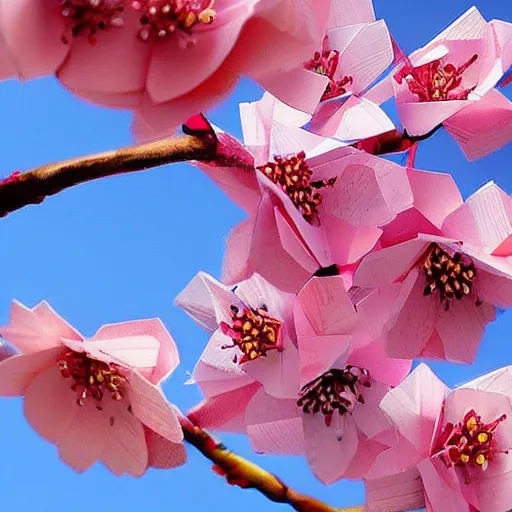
point(253, 336)
point(331, 84)
point(446, 287)
point(459, 443)
point(451, 82)
point(144, 53)
point(99, 398)
point(314, 202)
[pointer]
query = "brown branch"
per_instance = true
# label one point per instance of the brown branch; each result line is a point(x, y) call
point(247, 475)
point(33, 186)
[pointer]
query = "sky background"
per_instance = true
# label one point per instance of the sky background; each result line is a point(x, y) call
point(122, 248)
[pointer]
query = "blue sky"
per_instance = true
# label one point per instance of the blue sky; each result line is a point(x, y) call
point(122, 248)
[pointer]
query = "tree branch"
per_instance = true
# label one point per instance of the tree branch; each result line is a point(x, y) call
point(33, 186)
point(247, 475)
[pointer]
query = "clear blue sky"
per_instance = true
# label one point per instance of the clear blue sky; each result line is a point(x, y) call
point(122, 248)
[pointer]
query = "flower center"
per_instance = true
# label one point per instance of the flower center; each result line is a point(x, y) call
point(92, 378)
point(469, 443)
point(436, 81)
point(335, 389)
point(326, 64)
point(452, 275)
point(253, 331)
point(293, 175)
point(91, 16)
point(162, 18)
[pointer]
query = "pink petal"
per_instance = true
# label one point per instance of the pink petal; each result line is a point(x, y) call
point(367, 56)
point(299, 88)
point(193, 65)
point(32, 31)
point(484, 220)
point(235, 264)
point(38, 328)
point(17, 372)
point(167, 357)
point(127, 100)
point(462, 327)
point(132, 352)
point(497, 381)
point(414, 406)
point(217, 411)
point(492, 131)
point(214, 381)
point(420, 118)
point(207, 301)
point(403, 491)
point(356, 241)
point(413, 319)
point(6, 351)
point(309, 257)
point(274, 425)
point(382, 369)
point(116, 64)
point(387, 265)
point(351, 120)
point(278, 372)
point(330, 450)
point(152, 408)
point(426, 185)
point(8, 64)
point(327, 305)
point(85, 434)
point(440, 495)
point(368, 417)
point(214, 355)
point(284, 272)
point(162, 453)
point(470, 25)
point(350, 12)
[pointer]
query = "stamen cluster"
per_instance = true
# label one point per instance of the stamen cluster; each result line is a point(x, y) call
point(164, 17)
point(293, 175)
point(92, 378)
point(334, 390)
point(452, 275)
point(469, 443)
point(436, 81)
point(91, 16)
point(253, 331)
point(326, 64)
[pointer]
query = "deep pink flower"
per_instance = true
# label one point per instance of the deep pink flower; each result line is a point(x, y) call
point(450, 82)
point(142, 53)
point(96, 399)
point(459, 443)
point(331, 84)
point(446, 287)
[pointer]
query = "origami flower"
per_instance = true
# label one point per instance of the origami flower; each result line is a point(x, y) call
point(253, 336)
point(459, 443)
point(448, 286)
point(450, 82)
point(313, 201)
point(356, 51)
point(98, 398)
point(129, 53)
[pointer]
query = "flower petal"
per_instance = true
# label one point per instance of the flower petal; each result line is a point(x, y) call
point(162, 453)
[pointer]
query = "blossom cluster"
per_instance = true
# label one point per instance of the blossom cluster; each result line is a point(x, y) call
point(347, 268)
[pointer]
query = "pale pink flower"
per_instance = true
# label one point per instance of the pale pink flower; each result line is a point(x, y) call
point(253, 337)
point(99, 398)
point(447, 287)
point(142, 53)
point(451, 82)
point(459, 442)
point(330, 86)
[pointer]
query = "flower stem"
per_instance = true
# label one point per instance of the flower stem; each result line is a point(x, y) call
point(35, 185)
point(247, 475)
